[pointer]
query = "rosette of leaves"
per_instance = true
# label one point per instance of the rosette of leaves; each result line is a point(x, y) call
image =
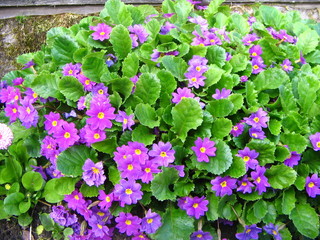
point(140, 65)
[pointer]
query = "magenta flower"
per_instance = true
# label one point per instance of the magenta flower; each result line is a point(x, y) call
point(17, 81)
point(257, 65)
point(224, 93)
point(237, 129)
point(71, 69)
point(223, 185)
point(61, 216)
point(10, 95)
point(256, 133)
point(126, 120)
point(147, 171)
point(100, 89)
point(121, 153)
point(282, 35)
point(315, 141)
point(138, 33)
point(273, 230)
point(127, 223)
point(31, 95)
point(75, 200)
point(128, 192)
point(255, 51)
point(245, 185)
point(49, 148)
point(211, 39)
point(249, 157)
point(203, 149)
point(250, 38)
point(130, 168)
point(197, 61)
point(151, 222)
point(244, 78)
point(166, 28)
point(250, 232)
point(260, 180)
point(6, 136)
point(201, 235)
point(195, 79)
point(313, 185)
point(106, 200)
point(200, 21)
point(196, 207)
point(179, 168)
point(86, 82)
point(101, 31)
point(100, 114)
point(11, 111)
point(182, 93)
point(66, 135)
point(81, 103)
point(28, 115)
point(258, 119)
point(90, 136)
point(138, 151)
point(162, 154)
point(99, 228)
point(286, 65)
point(293, 159)
point(93, 173)
point(52, 122)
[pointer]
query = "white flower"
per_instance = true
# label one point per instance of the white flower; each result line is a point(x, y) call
point(6, 136)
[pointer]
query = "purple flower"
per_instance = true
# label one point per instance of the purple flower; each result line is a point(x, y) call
point(315, 141)
point(260, 180)
point(100, 89)
point(228, 56)
point(286, 65)
point(139, 236)
point(258, 119)
point(182, 93)
point(49, 148)
point(223, 185)
point(52, 122)
point(237, 129)
point(61, 216)
point(293, 159)
point(10, 95)
point(99, 228)
point(250, 232)
point(66, 135)
point(127, 223)
point(86, 82)
point(111, 59)
point(151, 222)
point(138, 32)
point(128, 192)
point(250, 38)
point(100, 113)
point(224, 93)
point(166, 28)
point(138, 151)
point(81, 103)
point(147, 171)
point(71, 69)
point(179, 168)
point(197, 61)
point(31, 95)
point(203, 149)
point(212, 39)
point(313, 185)
point(302, 60)
point(28, 115)
point(29, 64)
point(257, 65)
point(256, 133)
point(127, 120)
point(130, 168)
point(200, 21)
point(11, 111)
point(201, 235)
point(249, 157)
point(163, 154)
point(106, 200)
point(245, 185)
point(93, 173)
point(273, 230)
point(244, 78)
point(75, 200)
point(251, 20)
point(255, 51)
point(282, 35)
point(195, 79)
point(156, 54)
point(90, 136)
point(196, 207)
point(101, 31)
point(17, 81)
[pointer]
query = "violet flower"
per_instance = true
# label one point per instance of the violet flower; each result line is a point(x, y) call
point(257, 65)
point(138, 151)
point(93, 173)
point(162, 154)
point(237, 129)
point(273, 230)
point(147, 171)
point(196, 207)
point(224, 93)
point(61, 216)
point(128, 192)
point(166, 28)
point(249, 157)
point(182, 93)
point(52, 122)
point(138, 32)
point(286, 65)
point(71, 69)
point(258, 119)
point(106, 200)
point(28, 115)
point(101, 31)
point(11, 111)
point(75, 200)
point(127, 223)
point(250, 232)
point(313, 185)
point(201, 235)
point(315, 141)
point(257, 133)
point(250, 38)
point(245, 185)
point(151, 222)
point(255, 51)
point(293, 159)
point(260, 180)
point(66, 135)
point(223, 185)
point(203, 149)
point(127, 120)
point(244, 78)
point(130, 168)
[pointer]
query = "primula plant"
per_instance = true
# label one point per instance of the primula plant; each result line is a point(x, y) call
point(167, 125)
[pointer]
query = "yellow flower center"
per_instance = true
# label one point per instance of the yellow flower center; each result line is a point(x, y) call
point(95, 170)
point(70, 71)
point(14, 110)
point(28, 110)
point(102, 33)
point(255, 67)
point(254, 135)
point(274, 232)
point(100, 115)
point(199, 236)
point(54, 123)
point(125, 121)
point(223, 184)
point(49, 146)
point(244, 184)
point(246, 158)
point(128, 222)
point(201, 44)
point(141, 236)
point(67, 135)
point(285, 66)
point(108, 199)
point(101, 214)
point(248, 230)
point(202, 149)
point(198, 68)
point(128, 191)
point(195, 205)
point(258, 180)
point(130, 167)
point(212, 41)
point(163, 154)
point(147, 170)
point(16, 97)
point(87, 82)
point(34, 95)
point(235, 128)
point(124, 157)
point(193, 79)
point(318, 144)
point(101, 91)
point(99, 226)
point(254, 54)
point(256, 119)
point(149, 220)
point(96, 136)
point(311, 185)
point(76, 197)
point(137, 151)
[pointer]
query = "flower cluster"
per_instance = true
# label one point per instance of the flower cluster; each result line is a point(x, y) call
point(194, 74)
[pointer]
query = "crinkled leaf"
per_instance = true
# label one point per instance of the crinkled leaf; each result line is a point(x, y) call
point(186, 115)
point(220, 108)
point(89, 191)
point(160, 185)
point(118, 12)
point(239, 62)
point(282, 153)
point(148, 88)
point(123, 86)
point(237, 100)
point(311, 158)
point(260, 209)
point(107, 146)
point(177, 66)
point(130, 65)
point(65, 185)
point(146, 115)
point(121, 41)
point(63, 49)
point(216, 55)
point(251, 94)
point(288, 101)
point(71, 88)
point(241, 25)
point(212, 8)
point(212, 213)
point(183, 189)
point(296, 142)
point(213, 75)
point(221, 127)
point(265, 148)
point(308, 41)
point(94, 66)
point(281, 176)
point(288, 201)
point(182, 9)
point(114, 175)
point(237, 169)
point(143, 135)
point(271, 78)
point(272, 17)
point(167, 81)
point(274, 126)
point(46, 85)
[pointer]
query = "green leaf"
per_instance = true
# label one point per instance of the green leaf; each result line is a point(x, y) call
point(272, 17)
point(121, 41)
point(70, 161)
point(281, 176)
point(177, 66)
point(186, 115)
point(167, 47)
point(265, 148)
point(148, 88)
point(160, 185)
point(282, 153)
point(89, 191)
point(239, 62)
point(63, 49)
point(50, 194)
point(182, 9)
point(220, 108)
point(71, 88)
point(153, 27)
point(130, 65)
point(308, 41)
point(213, 75)
point(271, 214)
point(11, 203)
point(288, 201)
point(221, 127)
point(24, 219)
point(176, 225)
point(288, 101)
point(114, 175)
point(212, 8)
point(212, 213)
point(24, 206)
point(271, 78)
point(219, 163)
point(237, 100)
point(237, 169)
point(123, 86)
point(216, 55)
point(33, 145)
point(32, 181)
point(46, 221)
point(306, 220)
point(65, 185)
point(167, 81)
point(270, 50)
point(310, 157)
point(296, 142)
point(107, 146)
point(147, 115)
point(94, 66)
point(118, 12)
point(183, 189)
point(251, 94)
point(143, 135)
point(240, 23)
point(274, 127)
point(260, 209)
point(46, 85)
point(12, 171)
